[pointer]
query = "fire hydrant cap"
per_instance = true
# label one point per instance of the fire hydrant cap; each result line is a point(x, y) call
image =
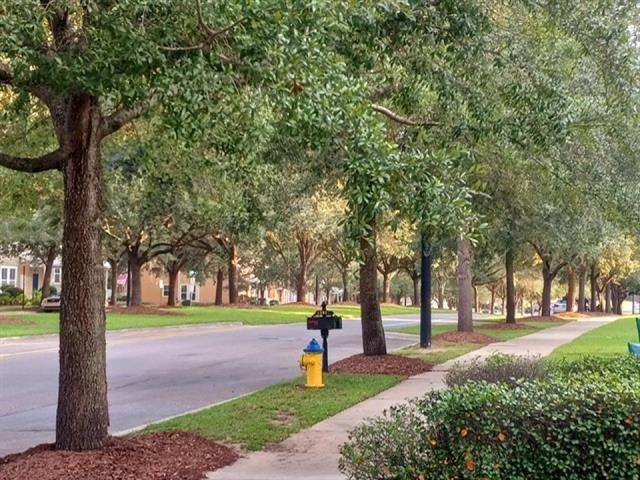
point(313, 347)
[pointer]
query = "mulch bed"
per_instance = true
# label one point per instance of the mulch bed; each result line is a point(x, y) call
point(381, 364)
point(465, 337)
point(169, 455)
point(504, 326)
point(6, 320)
point(146, 311)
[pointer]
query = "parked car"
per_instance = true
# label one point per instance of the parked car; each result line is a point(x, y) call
point(559, 306)
point(50, 304)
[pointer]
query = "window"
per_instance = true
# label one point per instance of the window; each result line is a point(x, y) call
point(8, 276)
point(57, 275)
point(165, 291)
point(184, 292)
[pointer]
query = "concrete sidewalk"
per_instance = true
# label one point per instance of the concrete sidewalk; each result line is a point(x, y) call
point(313, 453)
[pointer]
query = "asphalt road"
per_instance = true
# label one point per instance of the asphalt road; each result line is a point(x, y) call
point(157, 373)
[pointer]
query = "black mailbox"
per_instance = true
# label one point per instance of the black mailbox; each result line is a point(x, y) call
point(324, 320)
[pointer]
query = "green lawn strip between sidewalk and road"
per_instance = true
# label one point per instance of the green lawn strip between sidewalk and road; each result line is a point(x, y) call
point(46, 323)
point(607, 341)
point(442, 351)
point(276, 412)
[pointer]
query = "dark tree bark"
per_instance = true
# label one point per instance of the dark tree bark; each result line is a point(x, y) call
point(173, 269)
point(571, 288)
point(113, 280)
point(593, 283)
point(475, 299)
point(547, 280)
point(233, 274)
point(492, 289)
point(373, 339)
point(465, 287)
point(386, 288)
point(219, 285)
point(582, 280)
point(618, 295)
point(607, 297)
point(135, 264)
point(301, 284)
point(82, 415)
point(345, 285)
point(440, 296)
point(48, 270)
point(416, 290)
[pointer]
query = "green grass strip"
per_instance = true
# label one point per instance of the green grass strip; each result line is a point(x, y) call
point(607, 341)
point(274, 413)
point(47, 323)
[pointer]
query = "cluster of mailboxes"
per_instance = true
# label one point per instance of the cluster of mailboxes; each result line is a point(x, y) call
point(324, 320)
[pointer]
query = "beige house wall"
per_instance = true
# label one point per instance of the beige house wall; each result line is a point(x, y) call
point(26, 272)
point(154, 288)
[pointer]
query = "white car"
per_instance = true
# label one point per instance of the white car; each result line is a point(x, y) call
point(50, 304)
point(559, 306)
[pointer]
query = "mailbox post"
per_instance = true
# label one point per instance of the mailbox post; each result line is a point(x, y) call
point(324, 320)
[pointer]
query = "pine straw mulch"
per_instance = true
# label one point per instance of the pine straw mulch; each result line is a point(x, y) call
point(381, 364)
point(142, 310)
point(168, 455)
point(465, 337)
point(504, 326)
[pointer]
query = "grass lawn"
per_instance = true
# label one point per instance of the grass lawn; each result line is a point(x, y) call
point(608, 341)
point(44, 323)
point(442, 351)
point(274, 413)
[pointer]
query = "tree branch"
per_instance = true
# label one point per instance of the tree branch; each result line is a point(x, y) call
point(6, 76)
point(50, 161)
point(211, 34)
point(403, 120)
point(120, 118)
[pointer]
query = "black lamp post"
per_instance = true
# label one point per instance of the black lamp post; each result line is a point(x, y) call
point(425, 293)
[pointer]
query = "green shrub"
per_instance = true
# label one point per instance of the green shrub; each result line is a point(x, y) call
point(570, 427)
point(10, 295)
point(495, 369)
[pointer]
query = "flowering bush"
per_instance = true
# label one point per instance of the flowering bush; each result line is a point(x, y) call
point(577, 424)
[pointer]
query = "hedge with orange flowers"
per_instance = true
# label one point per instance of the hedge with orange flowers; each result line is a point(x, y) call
point(580, 423)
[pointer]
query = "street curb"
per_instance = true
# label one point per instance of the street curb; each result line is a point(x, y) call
point(195, 410)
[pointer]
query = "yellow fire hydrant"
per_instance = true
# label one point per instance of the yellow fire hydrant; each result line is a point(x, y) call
point(311, 361)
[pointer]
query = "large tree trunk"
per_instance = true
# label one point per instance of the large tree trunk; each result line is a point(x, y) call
point(582, 280)
point(547, 280)
point(440, 295)
point(386, 288)
point(48, 270)
point(82, 415)
point(174, 271)
point(373, 339)
point(571, 288)
point(511, 287)
point(113, 281)
point(219, 284)
point(416, 290)
point(493, 298)
point(345, 285)
point(233, 274)
point(593, 283)
point(301, 284)
point(135, 269)
point(607, 297)
point(465, 287)
point(618, 295)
